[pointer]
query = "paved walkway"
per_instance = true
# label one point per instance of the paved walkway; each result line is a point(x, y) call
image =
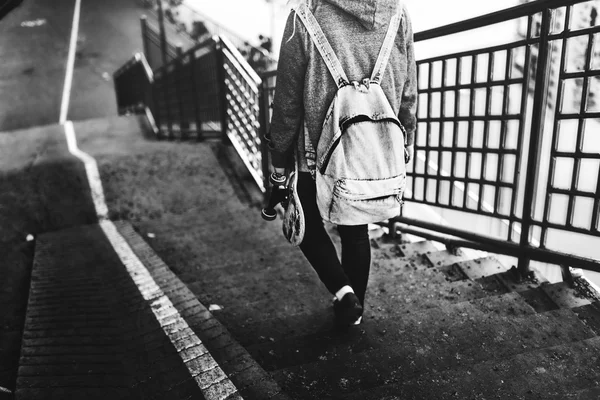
point(32, 66)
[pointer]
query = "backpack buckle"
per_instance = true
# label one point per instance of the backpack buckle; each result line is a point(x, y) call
point(362, 86)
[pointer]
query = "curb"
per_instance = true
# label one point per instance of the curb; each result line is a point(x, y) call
point(251, 380)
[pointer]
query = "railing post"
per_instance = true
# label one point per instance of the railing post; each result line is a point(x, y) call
point(537, 127)
point(194, 85)
point(179, 65)
point(163, 35)
point(144, 24)
point(222, 89)
point(263, 113)
point(567, 276)
point(154, 89)
point(392, 228)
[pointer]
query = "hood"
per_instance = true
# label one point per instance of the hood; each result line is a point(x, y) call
point(371, 13)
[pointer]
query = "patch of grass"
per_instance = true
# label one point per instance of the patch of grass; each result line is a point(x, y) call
point(173, 180)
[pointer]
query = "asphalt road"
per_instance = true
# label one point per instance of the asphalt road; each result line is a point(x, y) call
point(34, 43)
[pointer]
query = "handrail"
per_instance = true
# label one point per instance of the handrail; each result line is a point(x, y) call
point(136, 58)
point(537, 66)
point(512, 249)
point(243, 64)
point(142, 58)
point(520, 11)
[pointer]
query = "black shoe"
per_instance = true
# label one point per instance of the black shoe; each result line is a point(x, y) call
point(348, 311)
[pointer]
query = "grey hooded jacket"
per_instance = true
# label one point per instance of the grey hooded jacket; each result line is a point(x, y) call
point(305, 88)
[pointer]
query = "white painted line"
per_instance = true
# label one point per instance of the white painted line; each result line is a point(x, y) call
point(167, 315)
point(213, 382)
point(66, 95)
point(91, 169)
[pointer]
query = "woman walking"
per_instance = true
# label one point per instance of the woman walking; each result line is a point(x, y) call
point(356, 30)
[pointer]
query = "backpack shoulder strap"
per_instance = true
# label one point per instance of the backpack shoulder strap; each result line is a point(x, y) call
point(322, 44)
point(386, 49)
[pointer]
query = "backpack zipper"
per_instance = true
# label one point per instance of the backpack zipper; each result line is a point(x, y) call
point(344, 125)
point(329, 154)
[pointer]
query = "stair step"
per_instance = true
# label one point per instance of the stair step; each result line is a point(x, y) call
point(190, 252)
point(276, 328)
point(417, 345)
point(241, 310)
point(246, 286)
point(203, 221)
point(385, 246)
point(541, 295)
point(246, 241)
point(481, 267)
point(590, 316)
point(445, 258)
point(539, 374)
point(288, 316)
point(591, 393)
point(539, 300)
point(282, 259)
point(386, 331)
point(565, 296)
point(412, 284)
point(417, 248)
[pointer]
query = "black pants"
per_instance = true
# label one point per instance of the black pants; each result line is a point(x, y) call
point(320, 251)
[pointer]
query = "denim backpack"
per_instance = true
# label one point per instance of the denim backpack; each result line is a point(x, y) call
point(359, 165)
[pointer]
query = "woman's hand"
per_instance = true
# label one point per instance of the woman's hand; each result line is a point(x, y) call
point(278, 177)
point(411, 152)
point(280, 171)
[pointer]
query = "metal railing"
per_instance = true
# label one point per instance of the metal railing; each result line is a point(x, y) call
point(133, 85)
point(489, 125)
point(243, 109)
point(208, 91)
point(497, 130)
point(188, 95)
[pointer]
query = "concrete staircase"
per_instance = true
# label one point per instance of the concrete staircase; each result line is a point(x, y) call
point(437, 324)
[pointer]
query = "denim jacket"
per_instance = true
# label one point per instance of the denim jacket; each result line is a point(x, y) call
point(305, 88)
